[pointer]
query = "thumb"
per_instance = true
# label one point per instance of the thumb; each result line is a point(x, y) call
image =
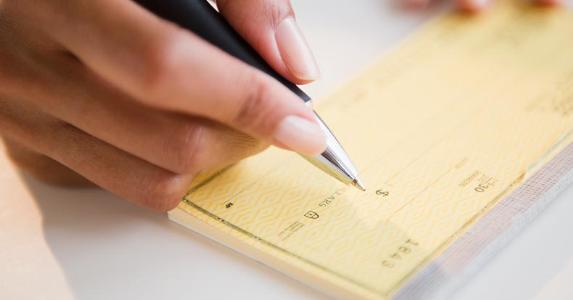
point(270, 27)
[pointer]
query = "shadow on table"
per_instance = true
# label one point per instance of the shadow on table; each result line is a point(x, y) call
point(111, 249)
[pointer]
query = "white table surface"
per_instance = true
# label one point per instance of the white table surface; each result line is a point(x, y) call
point(88, 244)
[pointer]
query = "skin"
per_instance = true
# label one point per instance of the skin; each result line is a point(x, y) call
point(82, 103)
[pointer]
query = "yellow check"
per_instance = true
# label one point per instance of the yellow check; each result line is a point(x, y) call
point(441, 130)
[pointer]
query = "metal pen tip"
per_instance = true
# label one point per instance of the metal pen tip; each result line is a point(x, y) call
point(356, 182)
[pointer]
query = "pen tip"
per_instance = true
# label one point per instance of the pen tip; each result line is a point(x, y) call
point(356, 182)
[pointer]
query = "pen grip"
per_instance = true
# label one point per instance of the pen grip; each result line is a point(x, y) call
point(201, 18)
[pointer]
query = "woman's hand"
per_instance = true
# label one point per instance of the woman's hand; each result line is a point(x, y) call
point(139, 106)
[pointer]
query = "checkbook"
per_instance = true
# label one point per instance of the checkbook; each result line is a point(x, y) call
point(461, 134)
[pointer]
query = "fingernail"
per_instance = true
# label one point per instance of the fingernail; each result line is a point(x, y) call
point(295, 51)
point(301, 135)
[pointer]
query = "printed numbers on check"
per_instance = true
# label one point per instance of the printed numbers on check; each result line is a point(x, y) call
point(405, 249)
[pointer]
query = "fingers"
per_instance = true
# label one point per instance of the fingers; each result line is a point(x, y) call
point(114, 169)
point(166, 67)
point(179, 143)
point(271, 28)
point(43, 167)
point(117, 171)
point(101, 163)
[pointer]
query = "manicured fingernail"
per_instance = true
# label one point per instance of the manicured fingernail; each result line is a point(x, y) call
point(295, 51)
point(301, 135)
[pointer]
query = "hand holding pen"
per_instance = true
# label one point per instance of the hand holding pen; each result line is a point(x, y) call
point(109, 93)
point(139, 106)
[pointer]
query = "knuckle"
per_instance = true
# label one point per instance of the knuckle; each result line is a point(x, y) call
point(163, 192)
point(251, 113)
point(160, 66)
point(277, 10)
point(274, 11)
point(187, 149)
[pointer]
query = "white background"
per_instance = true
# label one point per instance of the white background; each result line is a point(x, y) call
point(87, 244)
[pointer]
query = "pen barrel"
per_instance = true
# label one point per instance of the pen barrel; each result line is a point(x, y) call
point(202, 19)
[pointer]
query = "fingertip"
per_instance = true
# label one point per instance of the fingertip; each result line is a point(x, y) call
point(295, 51)
point(272, 30)
point(167, 192)
point(300, 135)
